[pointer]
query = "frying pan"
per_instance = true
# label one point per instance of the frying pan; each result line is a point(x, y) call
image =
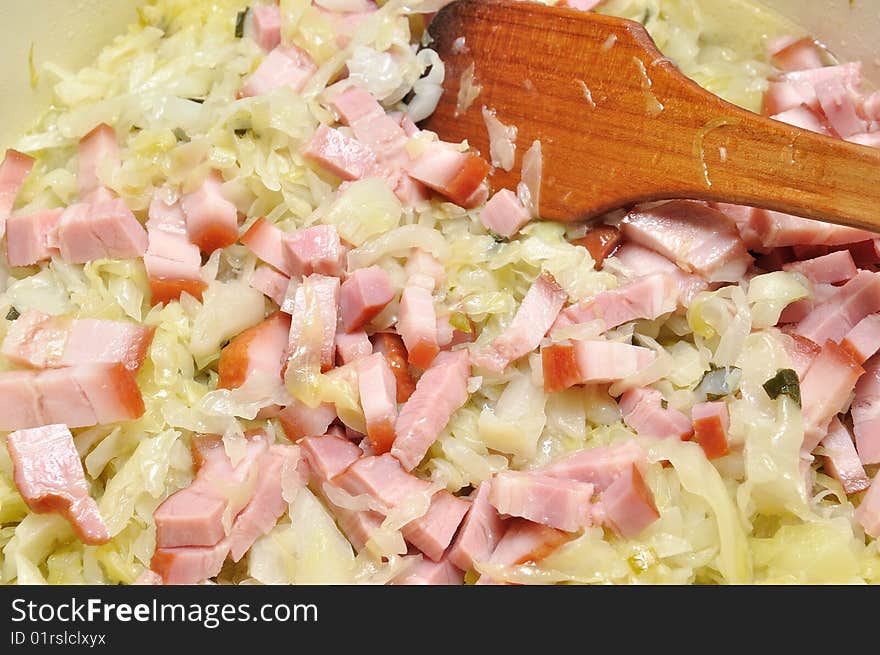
point(70, 32)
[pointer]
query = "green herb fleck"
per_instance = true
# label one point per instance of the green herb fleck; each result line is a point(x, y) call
point(240, 132)
point(12, 314)
point(239, 22)
point(784, 382)
point(198, 100)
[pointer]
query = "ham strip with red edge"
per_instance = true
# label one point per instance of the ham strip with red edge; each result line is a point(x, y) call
point(433, 532)
point(364, 294)
point(80, 396)
point(173, 263)
point(863, 341)
point(826, 390)
point(378, 394)
point(711, 423)
point(841, 459)
point(347, 158)
point(315, 249)
point(480, 531)
point(189, 565)
point(866, 413)
point(591, 362)
point(453, 174)
point(14, 170)
point(260, 348)
point(105, 229)
point(392, 346)
point(775, 229)
point(328, 456)
point(438, 394)
point(792, 54)
point(417, 325)
point(556, 502)
point(28, 235)
point(504, 214)
point(324, 291)
point(628, 504)
point(523, 542)
point(284, 66)
point(640, 261)
point(428, 572)
point(698, 238)
point(599, 466)
point(381, 477)
point(50, 478)
point(643, 411)
point(534, 317)
point(600, 241)
point(648, 298)
point(98, 149)
point(211, 220)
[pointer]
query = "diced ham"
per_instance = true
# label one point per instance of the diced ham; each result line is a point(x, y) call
point(480, 531)
point(378, 393)
point(266, 24)
point(841, 459)
point(802, 352)
point(580, 5)
point(600, 241)
point(641, 261)
point(284, 66)
point(839, 108)
point(352, 347)
point(834, 318)
point(50, 478)
point(804, 118)
point(647, 297)
point(504, 214)
point(422, 266)
point(14, 170)
point(27, 236)
point(191, 517)
point(834, 267)
point(267, 242)
point(392, 346)
point(556, 502)
point(438, 394)
point(775, 229)
point(868, 512)
point(347, 158)
point(866, 414)
point(148, 577)
point(98, 341)
point(696, 237)
point(427, 572)
point(315, 249)
point(189, 565)
point(271, 283)
point(77, 396)
point(535, 316)
point(104, 229)
point(211, 220)
point(260, 348)
point(362, 296)
point(523, 542)
point(433, 532)
point(325, 292)
point(453, 174)
point(358, 527)
point(591, 362)
point(383, 478)
point(711, 422)
point(328, 456)
point(298, 420)
point(796, 88)
point(417, 325)
point(797, 54)
point(643, 411)
point(599, 466)
point(863, 341)
point(95, 149)
point(628, 504)
point(267, 504)
point(800, 309)
point(173, 263)
point(826, 390)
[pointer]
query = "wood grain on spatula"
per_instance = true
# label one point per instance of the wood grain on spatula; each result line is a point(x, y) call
point(619, 123)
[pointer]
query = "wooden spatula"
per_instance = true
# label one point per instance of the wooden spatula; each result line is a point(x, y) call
point(619, 123)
